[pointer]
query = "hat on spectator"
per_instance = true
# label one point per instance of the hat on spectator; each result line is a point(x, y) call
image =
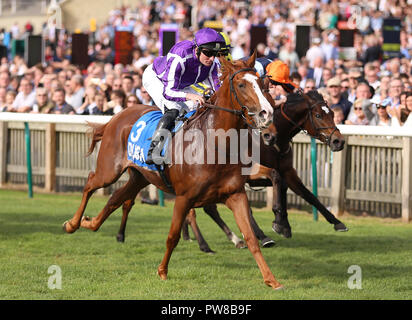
point(333, 82)
point(278, 72)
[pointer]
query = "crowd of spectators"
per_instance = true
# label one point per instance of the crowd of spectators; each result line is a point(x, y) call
point(365, 89)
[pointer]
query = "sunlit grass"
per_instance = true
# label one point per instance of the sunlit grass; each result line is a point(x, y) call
point(313, 264)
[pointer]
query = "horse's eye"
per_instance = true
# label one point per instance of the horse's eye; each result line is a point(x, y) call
point(318, 115)
point(241, 85)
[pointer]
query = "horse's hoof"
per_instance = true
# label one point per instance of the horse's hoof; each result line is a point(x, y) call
point(279, 287)
point(162, 274)
point(241, 245)
point(267, 243)
point(207, 250)
point(340, 227)
point(120, 238)
point(283, 231)
point(65, 226)
point(274, 285)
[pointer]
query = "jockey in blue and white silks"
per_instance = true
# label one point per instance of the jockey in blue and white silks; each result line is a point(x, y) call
point(168, 80)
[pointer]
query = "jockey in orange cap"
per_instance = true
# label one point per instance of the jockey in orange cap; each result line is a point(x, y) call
point(277, 73)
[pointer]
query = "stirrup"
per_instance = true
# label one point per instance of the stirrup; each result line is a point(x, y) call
point(158, 160)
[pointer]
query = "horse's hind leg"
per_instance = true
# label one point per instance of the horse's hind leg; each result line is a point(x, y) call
point(180, 210)
point(127, 193)
point(211, 210)
point(191, 220)
point(94, 181)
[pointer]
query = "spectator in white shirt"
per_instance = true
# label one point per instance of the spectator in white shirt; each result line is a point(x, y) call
point(315, 52)
point(26, 97)
point(75, 99)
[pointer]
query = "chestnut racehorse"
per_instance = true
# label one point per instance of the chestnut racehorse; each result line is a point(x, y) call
point(237, 102)
point(288, 119)
point(309, 113)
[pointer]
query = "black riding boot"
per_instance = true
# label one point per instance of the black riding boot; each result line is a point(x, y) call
point(166, 123)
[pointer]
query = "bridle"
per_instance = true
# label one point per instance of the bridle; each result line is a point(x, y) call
point(244, 112)
point(309, 116)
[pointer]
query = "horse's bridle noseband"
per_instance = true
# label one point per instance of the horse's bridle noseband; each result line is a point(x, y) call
point(318, 134)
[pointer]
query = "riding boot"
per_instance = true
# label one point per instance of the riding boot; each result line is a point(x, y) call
point(158, 138)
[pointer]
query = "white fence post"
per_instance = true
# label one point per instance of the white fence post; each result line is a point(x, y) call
point(3, 152)
point(50, 161)
point(338, 181)
point(406, 180)
point(269, 198)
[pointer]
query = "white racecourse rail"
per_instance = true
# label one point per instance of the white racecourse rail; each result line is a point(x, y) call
point(79, 119)
point(371, 174)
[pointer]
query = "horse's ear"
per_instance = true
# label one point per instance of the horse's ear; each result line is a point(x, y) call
point(226, 66)
point(251, 61)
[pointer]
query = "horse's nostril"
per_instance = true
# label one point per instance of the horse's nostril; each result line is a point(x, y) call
point(267, 136)
point(262, 114)
point(338, 142)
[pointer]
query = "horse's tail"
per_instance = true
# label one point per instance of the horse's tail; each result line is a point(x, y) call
point(95, 131)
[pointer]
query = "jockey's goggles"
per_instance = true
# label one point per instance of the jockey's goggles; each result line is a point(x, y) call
point(224, 52)
point(209, 53)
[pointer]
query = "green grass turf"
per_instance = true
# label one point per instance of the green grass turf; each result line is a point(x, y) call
point(313, 264)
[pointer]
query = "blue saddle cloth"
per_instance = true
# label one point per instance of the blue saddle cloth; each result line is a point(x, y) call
point(141, 134)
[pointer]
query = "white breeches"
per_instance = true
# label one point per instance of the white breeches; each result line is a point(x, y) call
point(155, 88)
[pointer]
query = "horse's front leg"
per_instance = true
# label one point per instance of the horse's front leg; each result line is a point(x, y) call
point(211, 210)
point(239, 204)
point(191, 219)
point(127, 206)
point(180, 210)
point(297, 186)
point(265, 241)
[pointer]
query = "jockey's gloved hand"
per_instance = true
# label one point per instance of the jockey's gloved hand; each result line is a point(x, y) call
point(195, 98)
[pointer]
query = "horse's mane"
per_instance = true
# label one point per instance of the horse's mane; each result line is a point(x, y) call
point(225, 74)
point(314, 94)
point(294, 97)
point(297, 97)
point(226, 71)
